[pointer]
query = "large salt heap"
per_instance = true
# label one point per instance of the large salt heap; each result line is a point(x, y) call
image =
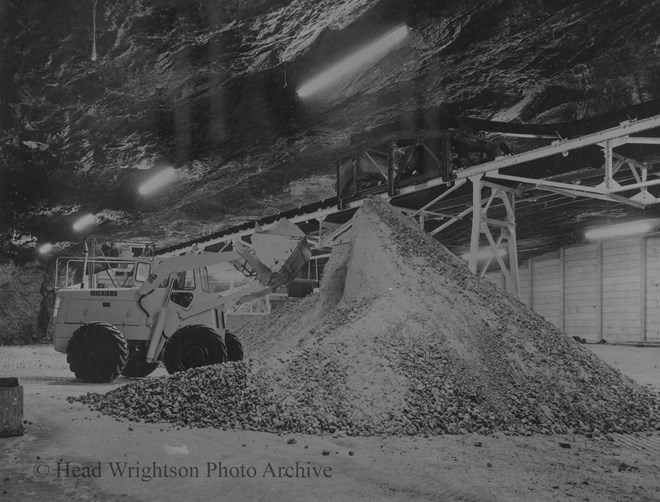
point(402, 339)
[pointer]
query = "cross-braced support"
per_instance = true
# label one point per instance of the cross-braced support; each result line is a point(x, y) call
point(481, 224)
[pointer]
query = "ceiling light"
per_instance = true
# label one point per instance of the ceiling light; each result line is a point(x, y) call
point(359, 59)
point(620, 230)
point(45, 248)
point(84, 222)
point(157, 181)
point(484, 254)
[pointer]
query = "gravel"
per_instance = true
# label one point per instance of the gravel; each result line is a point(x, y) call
point(402, 339)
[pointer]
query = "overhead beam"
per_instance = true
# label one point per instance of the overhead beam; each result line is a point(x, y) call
point(416, 212)
point(643, 184)
point(643, 141)
point(546, 183)
point(560, 147)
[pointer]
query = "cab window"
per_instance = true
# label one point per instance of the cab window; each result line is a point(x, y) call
point(206, 285)
point(184, 281)
point(142, 272)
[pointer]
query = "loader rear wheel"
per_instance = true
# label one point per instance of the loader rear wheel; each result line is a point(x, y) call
point(234, 347)
point(137, 365)
point(97, 352)
point(194, 346)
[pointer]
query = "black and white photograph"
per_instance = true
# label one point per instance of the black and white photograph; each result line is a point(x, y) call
point(330, 250)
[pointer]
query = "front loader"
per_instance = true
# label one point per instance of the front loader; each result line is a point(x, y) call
point(123, 316)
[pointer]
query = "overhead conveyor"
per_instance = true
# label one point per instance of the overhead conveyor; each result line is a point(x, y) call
point(602, 184)
point(443, 177)
point(393, 166)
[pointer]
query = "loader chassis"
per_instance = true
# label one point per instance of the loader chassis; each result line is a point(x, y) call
point(123, 316)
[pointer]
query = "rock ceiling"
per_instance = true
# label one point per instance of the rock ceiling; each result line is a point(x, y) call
point(96, 95)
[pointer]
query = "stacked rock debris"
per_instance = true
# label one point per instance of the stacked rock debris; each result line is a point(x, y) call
point(401, 339)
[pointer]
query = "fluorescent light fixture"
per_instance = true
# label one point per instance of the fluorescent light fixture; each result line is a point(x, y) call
point(484, 254)
point(45, 248)
point(620, 230)
point(84, 222)
point(157, 181)
point(359, 59)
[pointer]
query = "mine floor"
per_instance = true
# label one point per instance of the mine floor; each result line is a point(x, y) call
point(71, 453)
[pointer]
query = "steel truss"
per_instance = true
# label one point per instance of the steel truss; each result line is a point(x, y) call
point(486, 176)
point(609, 188)
point(492, 192)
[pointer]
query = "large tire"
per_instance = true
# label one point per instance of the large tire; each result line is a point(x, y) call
point(193, 346)
point(234, 347)
point(137, 365)
point(97, 352)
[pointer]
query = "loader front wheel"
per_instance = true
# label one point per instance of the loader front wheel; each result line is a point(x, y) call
point(234, 347)
point(137, 365)
point(194, 346)
point(97, 352)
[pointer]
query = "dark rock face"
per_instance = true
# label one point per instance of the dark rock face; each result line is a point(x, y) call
point(210, 87)
point(23, 314)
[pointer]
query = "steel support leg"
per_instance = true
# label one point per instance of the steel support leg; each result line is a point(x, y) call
point(480, 225)
point(513, 284)
point(476, 222)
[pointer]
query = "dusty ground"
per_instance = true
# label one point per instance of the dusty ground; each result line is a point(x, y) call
point(468, 467)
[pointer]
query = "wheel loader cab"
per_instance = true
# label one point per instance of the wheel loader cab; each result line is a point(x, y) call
point(183, 287)
point(188, 284)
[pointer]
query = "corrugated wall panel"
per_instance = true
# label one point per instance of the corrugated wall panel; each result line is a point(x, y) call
point(546, 285)
point(622, 290)
point(581, 291)
point(523, 278)
point(653, 289)
point(620, 295)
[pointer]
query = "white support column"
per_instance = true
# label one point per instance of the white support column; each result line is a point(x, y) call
point(507, 227)
point(642, 288)
point(514, 287)
point(476, 222)
point(599, 299)
point(530, 283)
point(644, 196)
point(608, 165)
point(484, 269)
point(562, 289)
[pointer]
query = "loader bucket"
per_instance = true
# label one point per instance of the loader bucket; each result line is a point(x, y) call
point(279, 254)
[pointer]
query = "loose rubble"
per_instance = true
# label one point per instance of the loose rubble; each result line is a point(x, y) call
point(402, 339)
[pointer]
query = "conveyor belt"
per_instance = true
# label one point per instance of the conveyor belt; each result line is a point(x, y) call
point(414, 196)
point(290, 214)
